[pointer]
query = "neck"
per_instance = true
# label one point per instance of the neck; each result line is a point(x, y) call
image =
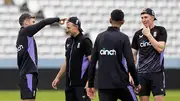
point(116, 25)
point(151, 26)
point(76, 33)
point(24, 25)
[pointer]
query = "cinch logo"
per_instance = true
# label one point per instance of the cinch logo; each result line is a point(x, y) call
point(20, 47)
point(145, 44)
point(107, 52)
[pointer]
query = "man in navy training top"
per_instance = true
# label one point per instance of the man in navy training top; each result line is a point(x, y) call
point(27, 58)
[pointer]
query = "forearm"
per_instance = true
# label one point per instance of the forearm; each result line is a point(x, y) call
point(61, 71)
point(159, 46)
point(49, 21)
point(134, 51)
point(133, 74)
point(91, 76)
point(92, 71)
point(33, 29)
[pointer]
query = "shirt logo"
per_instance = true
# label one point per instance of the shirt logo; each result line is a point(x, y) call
point(78, 45)
point(19, 48)
point(155, 34)
point(145, 44)
point(140, 36)
point(107, 52)
point(83, 96)
point(67, 45)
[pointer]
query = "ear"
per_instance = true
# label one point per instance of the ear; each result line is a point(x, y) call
point(110, 20)
point(122, 22)
point(25, 22)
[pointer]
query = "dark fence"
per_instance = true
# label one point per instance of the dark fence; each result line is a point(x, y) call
point(9, 79)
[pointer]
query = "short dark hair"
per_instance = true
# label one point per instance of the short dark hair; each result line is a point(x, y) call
point(117, 15)
point(24, 16)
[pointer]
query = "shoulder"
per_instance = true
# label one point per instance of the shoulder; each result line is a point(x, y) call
point(100, 35)
point(21, 32)
point(161, 30)
point(68, 39)
point(138, 32)
point(86, 40)
point(160, 27)
point(123, 36)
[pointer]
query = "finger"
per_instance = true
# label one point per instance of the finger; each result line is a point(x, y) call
point(144, 26)
point(148, 28)
point(54, 85)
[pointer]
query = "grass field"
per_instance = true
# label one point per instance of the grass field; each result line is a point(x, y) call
point(57, 95)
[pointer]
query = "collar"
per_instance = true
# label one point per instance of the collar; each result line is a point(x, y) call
point(77, 37)
point(113, 28)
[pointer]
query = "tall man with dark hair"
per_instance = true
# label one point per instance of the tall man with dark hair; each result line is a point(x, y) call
point(27, 58)
point(111, 50)
point(78, 53)
point(149, 43)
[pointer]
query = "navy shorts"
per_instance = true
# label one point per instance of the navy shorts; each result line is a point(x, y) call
point(124, 94)
point(154, 82)
point(28, 86)
point(76, 94)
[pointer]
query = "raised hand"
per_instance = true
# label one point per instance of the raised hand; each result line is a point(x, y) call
point(62, 21)
point(146, 31)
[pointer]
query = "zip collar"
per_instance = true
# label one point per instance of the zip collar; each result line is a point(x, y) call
point(77, 37)
point(113, 29)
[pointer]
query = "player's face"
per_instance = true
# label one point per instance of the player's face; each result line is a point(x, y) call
point(70, 28)
point(30, 21)
point(147, 20)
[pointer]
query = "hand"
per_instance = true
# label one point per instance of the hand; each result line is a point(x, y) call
point(62, 21)
point(137, 89)
point(55, 82)
point(146, 31)
point(131, 80)
point(86, 84)
point(91, 92)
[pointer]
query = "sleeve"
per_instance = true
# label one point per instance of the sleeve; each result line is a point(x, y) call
point(127, 52)
point(87, 46)
point(33, 29)
point(92, 67)
point(135, 42)
point(163, 35)
point(65, 46)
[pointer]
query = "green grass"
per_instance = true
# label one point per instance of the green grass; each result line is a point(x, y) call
point(57, 95)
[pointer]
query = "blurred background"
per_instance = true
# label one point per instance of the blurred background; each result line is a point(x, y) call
point(94, 16)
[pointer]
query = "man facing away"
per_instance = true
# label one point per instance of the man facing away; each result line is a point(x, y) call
point(111, 50)
point(149, 44)
point(78, 53)
point(27, 54)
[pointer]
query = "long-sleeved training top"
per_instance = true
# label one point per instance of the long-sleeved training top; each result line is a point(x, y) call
point(27, 57)
point(113, 52)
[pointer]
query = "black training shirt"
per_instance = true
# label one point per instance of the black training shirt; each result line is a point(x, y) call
point(149, 59)
point(113, 52)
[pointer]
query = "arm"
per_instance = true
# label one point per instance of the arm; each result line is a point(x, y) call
point(33, 29)
point(62, 70)
point(135, 47)
point(92, 67)
point(59, 75)
point(130, 62)
point(134, 51)
point(88, 51)
point(158, 45)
